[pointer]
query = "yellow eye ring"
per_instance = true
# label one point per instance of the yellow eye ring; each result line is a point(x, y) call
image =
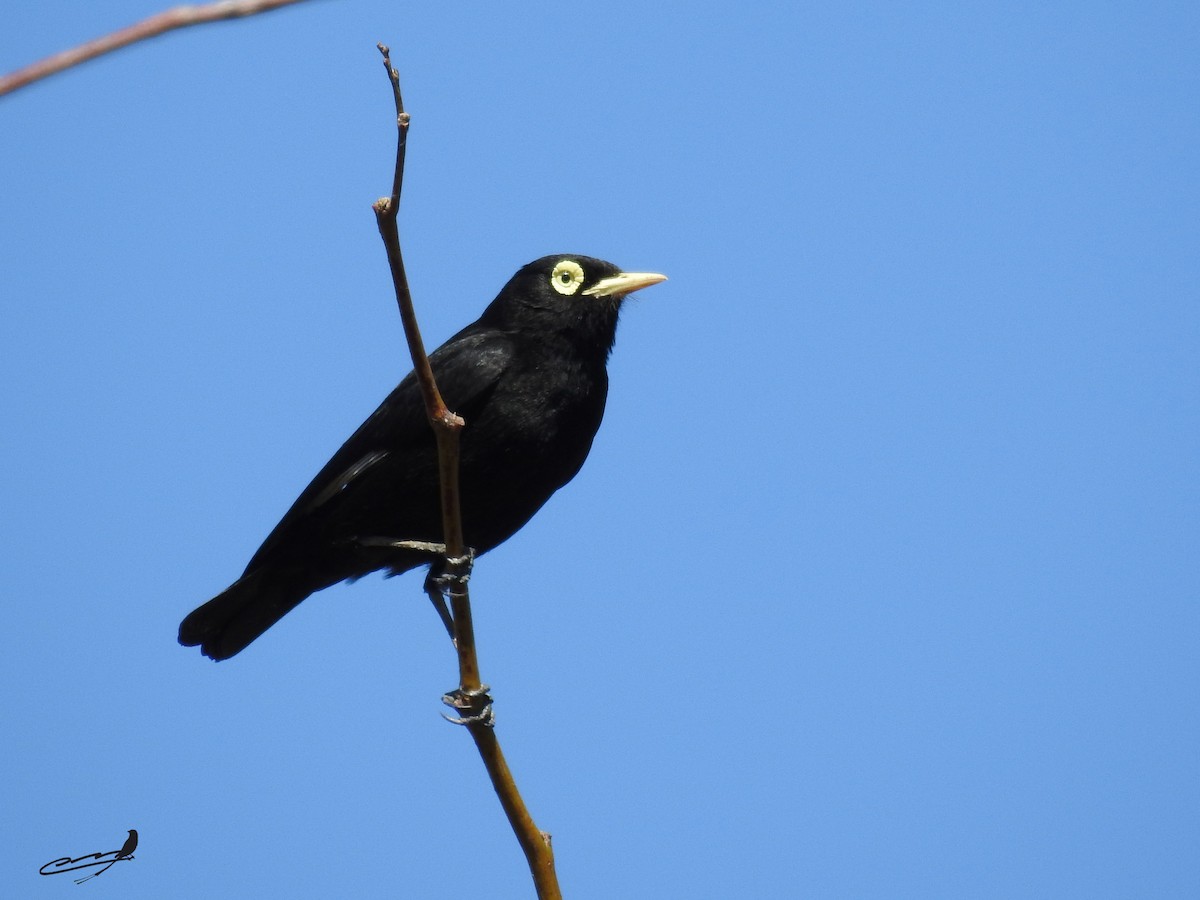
point(567, 277)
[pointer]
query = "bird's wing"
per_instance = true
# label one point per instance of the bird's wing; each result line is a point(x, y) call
point(467, 368)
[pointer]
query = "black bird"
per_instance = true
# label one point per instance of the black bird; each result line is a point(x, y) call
point(129, 846)
point(530, 379)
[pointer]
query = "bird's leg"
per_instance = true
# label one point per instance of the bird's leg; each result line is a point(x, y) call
point(475, 706)
point(437, 597)
point(429, 547)
point(444, 572)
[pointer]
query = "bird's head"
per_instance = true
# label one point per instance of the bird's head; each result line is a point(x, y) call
point(569, 294)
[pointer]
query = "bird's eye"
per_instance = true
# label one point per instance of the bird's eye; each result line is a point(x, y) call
point(567, 277)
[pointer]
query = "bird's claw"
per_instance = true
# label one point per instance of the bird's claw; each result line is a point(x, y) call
point(476, 706)
point(451, 573)
point(455, 572)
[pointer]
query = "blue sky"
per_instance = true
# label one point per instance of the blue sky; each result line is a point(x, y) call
point(881, 580)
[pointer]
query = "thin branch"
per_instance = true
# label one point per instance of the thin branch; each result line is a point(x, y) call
point(471, 698)
point(387, 210)
point(539, 854)
point(159, 23)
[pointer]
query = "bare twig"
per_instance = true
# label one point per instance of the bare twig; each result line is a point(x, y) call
point(159, 23)
point(471, 698)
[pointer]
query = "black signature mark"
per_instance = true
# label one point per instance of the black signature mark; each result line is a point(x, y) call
point(67, 864)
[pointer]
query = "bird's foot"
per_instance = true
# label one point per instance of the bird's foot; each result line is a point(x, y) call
point(453, 572)
point(475, 706)
point(448, 576)
point(450, 569)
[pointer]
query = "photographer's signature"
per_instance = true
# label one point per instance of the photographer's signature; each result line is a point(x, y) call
point(108, 860)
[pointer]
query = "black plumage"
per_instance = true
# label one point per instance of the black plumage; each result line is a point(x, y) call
point(529, 378)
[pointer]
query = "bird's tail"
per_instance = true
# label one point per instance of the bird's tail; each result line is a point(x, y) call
point(228, 623)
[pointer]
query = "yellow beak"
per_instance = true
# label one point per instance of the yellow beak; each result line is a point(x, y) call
point(625, 283)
